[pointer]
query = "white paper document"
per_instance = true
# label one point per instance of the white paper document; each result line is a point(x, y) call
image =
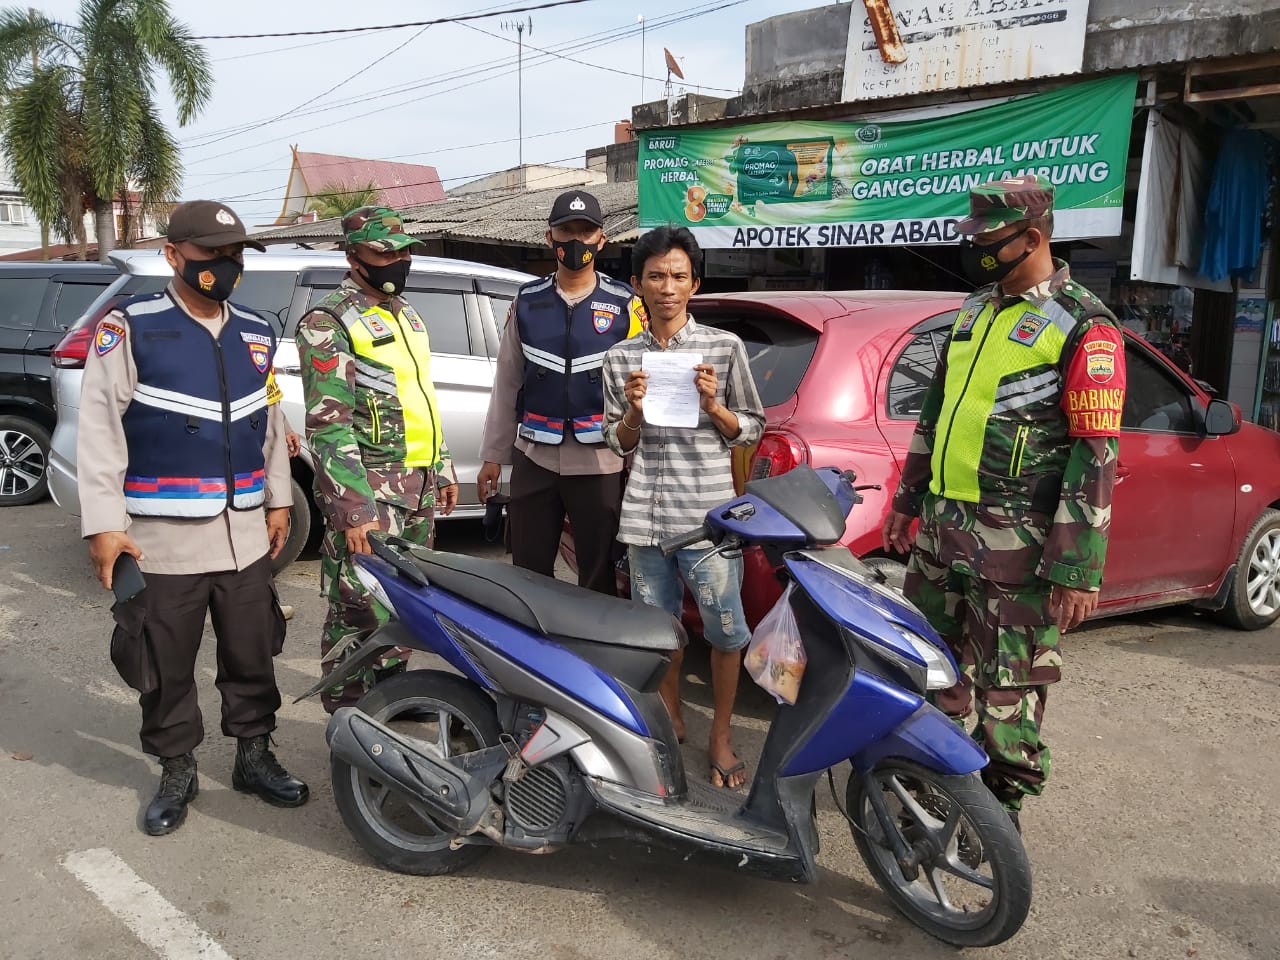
point(671, 399)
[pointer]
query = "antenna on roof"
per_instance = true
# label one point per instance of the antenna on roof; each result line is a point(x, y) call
point(520, 26)
point(673, 68)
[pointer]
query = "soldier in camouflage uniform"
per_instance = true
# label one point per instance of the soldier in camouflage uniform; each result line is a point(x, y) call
point(1010, 472)
point(381, 461)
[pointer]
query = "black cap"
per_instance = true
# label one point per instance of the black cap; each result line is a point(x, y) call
point(575, 205)
point(207, 223)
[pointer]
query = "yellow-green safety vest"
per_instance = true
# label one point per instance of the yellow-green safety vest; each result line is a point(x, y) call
point(988, 346)
point(401, 345)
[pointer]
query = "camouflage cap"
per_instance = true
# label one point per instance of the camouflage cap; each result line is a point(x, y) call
point(380, 227)
point(1002, 202)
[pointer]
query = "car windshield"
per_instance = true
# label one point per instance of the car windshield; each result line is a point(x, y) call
point(778, 349)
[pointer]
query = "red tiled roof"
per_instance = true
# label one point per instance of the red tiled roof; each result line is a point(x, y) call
point(403, 184)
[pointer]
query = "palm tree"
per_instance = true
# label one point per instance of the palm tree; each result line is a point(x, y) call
point(334, 199)
point(80, 126)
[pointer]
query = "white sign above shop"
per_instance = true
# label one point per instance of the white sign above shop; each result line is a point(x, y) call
point(903, 47)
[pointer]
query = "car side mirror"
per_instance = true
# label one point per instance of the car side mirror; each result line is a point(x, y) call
point(1220, 419)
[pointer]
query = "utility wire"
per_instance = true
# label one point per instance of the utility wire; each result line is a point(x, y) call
point(432, 153)
point(597, 66)
point(392, 26)
point(324, 93)
point(595, 40)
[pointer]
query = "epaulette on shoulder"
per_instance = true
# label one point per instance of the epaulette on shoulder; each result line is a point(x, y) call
point(616, 287)
point(537, 285)
point(1083, 303)
point(138, 299)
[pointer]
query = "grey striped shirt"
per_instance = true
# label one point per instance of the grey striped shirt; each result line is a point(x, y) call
point(679, 473)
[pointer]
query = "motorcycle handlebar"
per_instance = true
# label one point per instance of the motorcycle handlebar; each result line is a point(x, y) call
point(681, 540)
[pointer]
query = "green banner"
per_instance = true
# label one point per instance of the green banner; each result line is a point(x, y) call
point(852, 183)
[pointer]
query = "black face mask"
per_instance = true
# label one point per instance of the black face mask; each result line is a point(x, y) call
point(215, 279)
point(389, 279)
point(574, 254)
point(982, 265)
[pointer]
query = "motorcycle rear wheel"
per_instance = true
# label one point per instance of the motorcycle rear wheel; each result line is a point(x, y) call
point(974, 890)
point(444, 710)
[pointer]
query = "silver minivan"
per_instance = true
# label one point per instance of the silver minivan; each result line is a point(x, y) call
point(464, 305)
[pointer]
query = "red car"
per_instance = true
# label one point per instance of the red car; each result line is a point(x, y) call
point(842, 376)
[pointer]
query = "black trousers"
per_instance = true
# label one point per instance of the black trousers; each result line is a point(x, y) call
point(540, 499)
point(157, 637)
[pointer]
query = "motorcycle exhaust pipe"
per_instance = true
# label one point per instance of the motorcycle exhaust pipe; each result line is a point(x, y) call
point(452, 796)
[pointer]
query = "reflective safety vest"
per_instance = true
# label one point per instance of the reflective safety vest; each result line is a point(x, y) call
point(1001, 435)
point(197, 421)
point(564, 350)
point(393, 360)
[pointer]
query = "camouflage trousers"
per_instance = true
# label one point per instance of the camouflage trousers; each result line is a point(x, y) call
point(353, 614)
point(1006, 646)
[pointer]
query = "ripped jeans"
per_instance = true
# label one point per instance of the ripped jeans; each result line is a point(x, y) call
point(716, 585)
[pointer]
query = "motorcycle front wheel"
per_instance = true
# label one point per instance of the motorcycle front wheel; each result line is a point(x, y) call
point(445, 711)
point(972, 885)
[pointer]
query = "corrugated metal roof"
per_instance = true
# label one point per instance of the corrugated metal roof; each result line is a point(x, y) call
point(494, 216)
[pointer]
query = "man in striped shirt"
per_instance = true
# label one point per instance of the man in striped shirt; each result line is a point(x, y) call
point(679, 473)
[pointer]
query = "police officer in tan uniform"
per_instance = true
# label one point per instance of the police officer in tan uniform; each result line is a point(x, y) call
point(180, 450)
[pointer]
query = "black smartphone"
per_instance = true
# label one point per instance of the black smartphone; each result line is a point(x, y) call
point(126, 578)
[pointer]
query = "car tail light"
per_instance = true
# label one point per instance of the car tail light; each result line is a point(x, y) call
point(776, 454)
point(72, 351)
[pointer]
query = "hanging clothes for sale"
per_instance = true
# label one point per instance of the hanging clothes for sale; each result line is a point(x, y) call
point(1237, 204)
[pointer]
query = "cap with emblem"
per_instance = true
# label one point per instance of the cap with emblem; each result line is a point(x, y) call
point(207, 223)
point(575, 205)
point(380, 227)
point(1002, 202)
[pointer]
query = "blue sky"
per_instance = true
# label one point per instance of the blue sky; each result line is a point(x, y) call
point(426, 102)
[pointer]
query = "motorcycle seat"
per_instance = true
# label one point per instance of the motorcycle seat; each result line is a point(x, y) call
point(548, 605)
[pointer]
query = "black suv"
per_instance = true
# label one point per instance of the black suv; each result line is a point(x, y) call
point(38, 303)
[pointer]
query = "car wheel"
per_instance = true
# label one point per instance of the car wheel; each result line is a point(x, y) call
point(895, 573)
point(24, 462)
point(299, 528)
point(1254, 600)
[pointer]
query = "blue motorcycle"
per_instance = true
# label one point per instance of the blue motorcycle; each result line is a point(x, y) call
point(552, 731)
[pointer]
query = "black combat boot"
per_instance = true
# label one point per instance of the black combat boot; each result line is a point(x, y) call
point(257, 771)
point(178, 787)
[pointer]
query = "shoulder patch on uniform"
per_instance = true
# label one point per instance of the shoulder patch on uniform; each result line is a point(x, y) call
point(601, 320)
point(1100, 357)
point(1028, 328)
point(376, 326)
point(415, 321)
point(260, 354)
point(274, 393)
point(108, 337)
point(325, 366)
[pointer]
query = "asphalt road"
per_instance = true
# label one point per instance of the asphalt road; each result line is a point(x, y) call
point(1156, 838)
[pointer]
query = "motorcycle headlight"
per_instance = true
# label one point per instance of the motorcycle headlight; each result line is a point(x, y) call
point(936, 673)
point(375, 587)
point(939, 672)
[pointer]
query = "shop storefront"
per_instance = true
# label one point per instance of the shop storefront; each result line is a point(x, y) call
point(871, 203)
